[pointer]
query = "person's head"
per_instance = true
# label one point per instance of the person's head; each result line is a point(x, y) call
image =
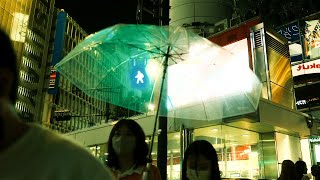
point(200, 162)
point(8, 69)
point(127, 139)
point(288, 170)
point(301, 168)
point(315, 170)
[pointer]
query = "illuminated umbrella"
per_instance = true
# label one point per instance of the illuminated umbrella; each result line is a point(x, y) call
point(126, 65)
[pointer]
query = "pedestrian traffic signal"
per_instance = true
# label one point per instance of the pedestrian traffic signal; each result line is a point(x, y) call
point(138, 75)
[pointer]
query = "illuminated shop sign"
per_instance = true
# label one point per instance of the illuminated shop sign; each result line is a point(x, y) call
point(240, 152)
point(308, 96)
point(314, 139)
point(305, 102)
point(290, 32)
point(310, 67)
point(53, 77)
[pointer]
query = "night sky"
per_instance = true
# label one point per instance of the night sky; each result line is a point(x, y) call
point(97, 14)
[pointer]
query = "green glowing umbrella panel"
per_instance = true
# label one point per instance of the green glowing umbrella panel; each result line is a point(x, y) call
point(126, 65)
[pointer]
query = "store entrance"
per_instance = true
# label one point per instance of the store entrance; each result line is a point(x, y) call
point(237, 149)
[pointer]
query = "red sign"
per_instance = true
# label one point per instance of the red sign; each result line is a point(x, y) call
point(306, 68)
point(240, 152)
point(53, 76)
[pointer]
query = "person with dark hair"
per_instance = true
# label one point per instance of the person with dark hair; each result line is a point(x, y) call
point(301, 169)
point(315, 171)
point(200, 162)
point(288, 171)
point(28, 151)
point(128, 151)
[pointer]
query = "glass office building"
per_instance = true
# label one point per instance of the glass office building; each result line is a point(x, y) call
point(63, 96)
point(28, 22)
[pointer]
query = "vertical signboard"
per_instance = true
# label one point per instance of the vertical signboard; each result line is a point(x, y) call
point(57, 52)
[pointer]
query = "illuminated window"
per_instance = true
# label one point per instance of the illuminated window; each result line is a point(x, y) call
point(19, 27)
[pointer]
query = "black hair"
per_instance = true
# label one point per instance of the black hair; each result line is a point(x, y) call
point(288, 171)
point(8, 61)
point(315, 171)
point(204, 148)
point(141, 150)
point(301, 168)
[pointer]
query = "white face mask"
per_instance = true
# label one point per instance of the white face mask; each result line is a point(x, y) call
point(202, 175)
point(123, 144)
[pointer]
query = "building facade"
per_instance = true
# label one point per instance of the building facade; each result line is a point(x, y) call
point(303, 36)
point(28, 22)
point(251, 146)
point(67, 108)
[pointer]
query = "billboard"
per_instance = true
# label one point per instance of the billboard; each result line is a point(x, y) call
point(292, 33)
point(312, 38)
point(57, 52)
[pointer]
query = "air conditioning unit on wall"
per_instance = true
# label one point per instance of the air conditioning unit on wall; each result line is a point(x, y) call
point(218, 27)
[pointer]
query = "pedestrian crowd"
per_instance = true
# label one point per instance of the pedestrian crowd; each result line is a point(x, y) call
point(298, 171)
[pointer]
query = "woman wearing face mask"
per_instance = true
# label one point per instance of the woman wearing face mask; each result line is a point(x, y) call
point(200, 162)
point(127, 152)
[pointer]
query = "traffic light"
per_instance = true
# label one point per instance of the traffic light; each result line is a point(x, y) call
point(138, 75)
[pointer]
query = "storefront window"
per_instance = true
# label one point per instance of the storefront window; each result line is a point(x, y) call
point(315, 149)
point(237, 150)
point(99, 151)
point(173, 155)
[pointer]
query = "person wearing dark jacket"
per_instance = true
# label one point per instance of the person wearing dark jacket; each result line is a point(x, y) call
point(288, 171)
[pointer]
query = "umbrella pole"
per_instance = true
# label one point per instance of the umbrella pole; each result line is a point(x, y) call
point(162, 123)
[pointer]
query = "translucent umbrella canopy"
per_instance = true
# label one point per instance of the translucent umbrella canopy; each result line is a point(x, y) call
point(124, 65)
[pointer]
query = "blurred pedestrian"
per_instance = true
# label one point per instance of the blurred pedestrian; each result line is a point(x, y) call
point(315, 171)
point(200, 162)
point(301, 169)
point(128, 151)
point(28, 151)
point(288, 171)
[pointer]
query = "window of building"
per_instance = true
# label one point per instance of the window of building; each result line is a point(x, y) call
point(237, 150)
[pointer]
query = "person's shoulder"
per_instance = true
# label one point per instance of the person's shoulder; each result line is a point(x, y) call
point(155, 172)
point(52, 140)
point(305, 177)
point(62, 146)
point(70, 157)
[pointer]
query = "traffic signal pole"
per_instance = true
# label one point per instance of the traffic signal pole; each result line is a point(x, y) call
point(161, 17)
point(162, 152)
